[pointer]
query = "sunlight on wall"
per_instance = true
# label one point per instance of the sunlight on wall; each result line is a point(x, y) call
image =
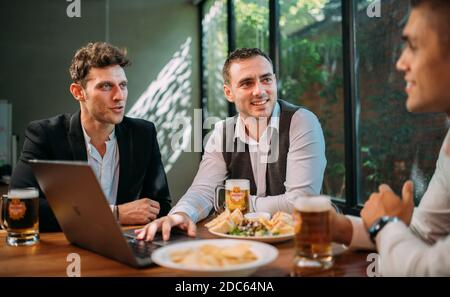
point(167, 100)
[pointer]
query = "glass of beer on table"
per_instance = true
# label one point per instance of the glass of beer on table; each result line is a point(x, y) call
point(19, 216)
point(237, 195)
point(313, 248)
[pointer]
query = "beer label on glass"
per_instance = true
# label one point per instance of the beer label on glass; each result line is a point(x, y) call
point(236, 195)
point(236, 198)
point(16, 209)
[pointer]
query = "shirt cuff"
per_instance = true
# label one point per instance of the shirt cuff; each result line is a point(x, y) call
point(360, 236)
point(192, 212)
point(391, 231)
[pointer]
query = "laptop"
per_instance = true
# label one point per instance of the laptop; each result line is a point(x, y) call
point(77, 200)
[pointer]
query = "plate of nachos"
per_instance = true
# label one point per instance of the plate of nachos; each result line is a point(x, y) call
point(216, 257)
point(280, 227)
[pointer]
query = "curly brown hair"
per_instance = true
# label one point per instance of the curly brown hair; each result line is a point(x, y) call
point(238, 55)
point(97, 55)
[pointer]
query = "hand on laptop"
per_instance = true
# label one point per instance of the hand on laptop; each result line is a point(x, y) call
point(138, 212)
point(165, 224)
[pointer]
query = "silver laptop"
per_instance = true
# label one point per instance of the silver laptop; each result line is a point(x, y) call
point(78, 202)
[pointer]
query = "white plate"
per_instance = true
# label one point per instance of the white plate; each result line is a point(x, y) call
point(268, 239)
point(265, 254)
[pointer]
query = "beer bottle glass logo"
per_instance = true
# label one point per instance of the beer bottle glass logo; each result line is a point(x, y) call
point(17, 209)
point(236, 194)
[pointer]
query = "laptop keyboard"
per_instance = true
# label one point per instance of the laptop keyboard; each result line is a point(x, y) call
point(143, 249)
point(140, 248)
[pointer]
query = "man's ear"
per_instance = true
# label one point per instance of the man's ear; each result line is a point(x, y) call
point(228, 93)
point(77, 91)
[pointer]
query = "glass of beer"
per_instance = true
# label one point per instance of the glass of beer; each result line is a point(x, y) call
point(237, 195)
point(19, 216)
point(313, 249)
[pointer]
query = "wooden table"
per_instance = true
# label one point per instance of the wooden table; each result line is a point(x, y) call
point(48, 258)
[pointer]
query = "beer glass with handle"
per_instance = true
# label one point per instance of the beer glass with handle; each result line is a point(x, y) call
point(19, 216)
point(237, 195)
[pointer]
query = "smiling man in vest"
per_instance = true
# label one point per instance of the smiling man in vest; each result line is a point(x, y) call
point(277, 146)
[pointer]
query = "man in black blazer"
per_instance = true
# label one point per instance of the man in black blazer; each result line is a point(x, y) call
point(122, 151)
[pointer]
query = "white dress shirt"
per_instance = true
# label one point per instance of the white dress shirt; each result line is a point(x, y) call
point(423, 249)
point(106, 169)
point(305, 166)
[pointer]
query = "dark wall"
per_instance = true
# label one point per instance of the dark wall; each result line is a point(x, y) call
point(38, 40)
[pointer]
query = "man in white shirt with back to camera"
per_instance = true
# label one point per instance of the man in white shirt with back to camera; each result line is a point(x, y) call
point(413, 242)
point(284, 154)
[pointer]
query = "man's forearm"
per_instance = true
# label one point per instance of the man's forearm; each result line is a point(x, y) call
point(342, 230)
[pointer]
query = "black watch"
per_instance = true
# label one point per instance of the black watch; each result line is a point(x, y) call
point(379, 224)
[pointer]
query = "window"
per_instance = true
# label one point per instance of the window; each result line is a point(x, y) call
point(252, 21)
point(311, 75)
point(394, 144)
point(214, 53)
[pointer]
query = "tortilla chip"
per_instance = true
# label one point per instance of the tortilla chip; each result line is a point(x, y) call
point(223, 216)
point(237, 217)
point(223, 227)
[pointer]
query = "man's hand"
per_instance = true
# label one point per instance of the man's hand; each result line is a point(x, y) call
point(138, 212)
point(165, 224)
point(341, 228)
point(386, 203)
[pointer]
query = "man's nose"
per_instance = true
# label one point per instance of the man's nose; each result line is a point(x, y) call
point(119, 94)
point(401, 64)
point(257, 89)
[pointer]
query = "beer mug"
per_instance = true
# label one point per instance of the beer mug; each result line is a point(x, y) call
point(313, 247)
point(19, 216)
point(237, 195)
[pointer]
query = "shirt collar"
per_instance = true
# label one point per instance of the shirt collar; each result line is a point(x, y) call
point(112, 135)
point(274, 123)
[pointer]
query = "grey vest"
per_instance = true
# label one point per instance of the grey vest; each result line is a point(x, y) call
point(237, 157)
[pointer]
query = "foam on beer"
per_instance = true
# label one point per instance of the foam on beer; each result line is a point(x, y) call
point(241, 183)
point(313, 204)
point(23, 193)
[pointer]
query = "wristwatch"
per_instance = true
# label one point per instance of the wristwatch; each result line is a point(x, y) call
point(379, 224)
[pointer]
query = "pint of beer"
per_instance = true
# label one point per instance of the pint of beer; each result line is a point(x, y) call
point(19, 215)
point(237, 195)
point(313, 250)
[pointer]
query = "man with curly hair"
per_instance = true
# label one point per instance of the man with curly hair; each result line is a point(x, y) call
point(123, 152)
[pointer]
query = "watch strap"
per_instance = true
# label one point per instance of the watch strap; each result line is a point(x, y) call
point(379, 225)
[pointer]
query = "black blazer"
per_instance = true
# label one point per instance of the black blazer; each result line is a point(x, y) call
point(61, 138)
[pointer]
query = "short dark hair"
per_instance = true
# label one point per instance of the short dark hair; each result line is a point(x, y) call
point(416, 3)
point(440, 18)
point(238, 55)
point(97, 55)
